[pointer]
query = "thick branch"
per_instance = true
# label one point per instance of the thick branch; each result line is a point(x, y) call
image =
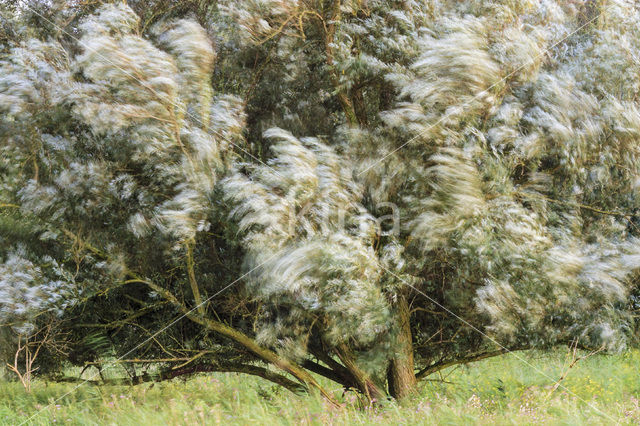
point(433, 368)
point(328, 373)
point(200, 368)
point(333, 365)
point(242, 339)
point(192, 279)
point(365, 383)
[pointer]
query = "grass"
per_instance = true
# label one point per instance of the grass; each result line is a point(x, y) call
point(503, 390)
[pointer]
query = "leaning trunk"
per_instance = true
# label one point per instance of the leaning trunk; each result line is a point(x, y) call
point(401, 377)
point(366, 384)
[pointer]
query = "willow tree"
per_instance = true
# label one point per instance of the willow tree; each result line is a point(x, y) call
point(146, 207)
point(504, 135)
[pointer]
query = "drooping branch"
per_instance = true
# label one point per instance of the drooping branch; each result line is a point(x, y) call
point(242, 339)
point(333, 365)
point(170, 373)
point(440, 365)
point(329, 373)
point(265, 354)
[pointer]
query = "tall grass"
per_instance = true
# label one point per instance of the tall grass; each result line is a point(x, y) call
point(503, 390)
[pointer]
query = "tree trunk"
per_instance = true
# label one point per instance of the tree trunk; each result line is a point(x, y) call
point(400, 375)
point(365, 383)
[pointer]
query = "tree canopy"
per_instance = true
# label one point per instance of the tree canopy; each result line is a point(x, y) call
point(366, 190)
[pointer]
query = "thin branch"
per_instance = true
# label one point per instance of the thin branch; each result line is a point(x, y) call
point(573, 350)
point(440, 365)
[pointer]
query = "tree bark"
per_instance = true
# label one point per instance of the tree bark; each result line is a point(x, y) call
point(366, 385)
point(335, 366)
point(329, 374)
point(169, 374)
point(247, 342)
point(401, 378)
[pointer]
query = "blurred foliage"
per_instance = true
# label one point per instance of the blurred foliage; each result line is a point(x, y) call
point(200, 182)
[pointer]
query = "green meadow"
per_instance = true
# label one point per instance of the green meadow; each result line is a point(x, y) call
point(512, 389)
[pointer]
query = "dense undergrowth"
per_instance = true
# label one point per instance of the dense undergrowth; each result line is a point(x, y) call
point(512, 389)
